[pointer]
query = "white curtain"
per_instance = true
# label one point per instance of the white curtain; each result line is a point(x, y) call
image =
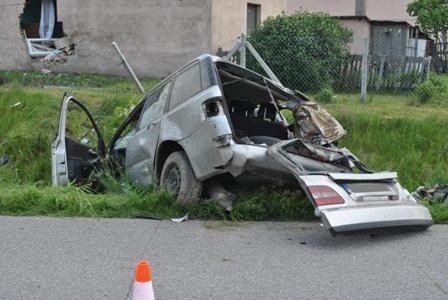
point(47, 19)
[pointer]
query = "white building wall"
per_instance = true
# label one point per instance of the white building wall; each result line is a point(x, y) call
point(361, 31)
point(229, 19)
point(156, 36)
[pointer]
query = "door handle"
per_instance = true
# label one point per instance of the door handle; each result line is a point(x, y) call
point(150, 125)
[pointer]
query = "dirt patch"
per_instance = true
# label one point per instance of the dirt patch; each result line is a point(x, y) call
point(225, 225)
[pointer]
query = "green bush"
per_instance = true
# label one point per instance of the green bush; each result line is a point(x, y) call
point(305, 50)
point(425, 91)
point(440, 84)
point(409, 80)
point(325, 95)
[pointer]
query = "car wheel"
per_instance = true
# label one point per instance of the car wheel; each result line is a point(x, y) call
point(178, 179)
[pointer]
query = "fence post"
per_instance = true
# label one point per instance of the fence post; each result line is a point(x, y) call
point(262, 63)
point(364, 70)
point(428, 66)
point(243, 51)
point(232, 52)
point(379, 82)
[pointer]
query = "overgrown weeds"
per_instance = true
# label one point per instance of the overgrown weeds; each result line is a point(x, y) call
point(122, 199)
point(73, 80)
point(439, 212)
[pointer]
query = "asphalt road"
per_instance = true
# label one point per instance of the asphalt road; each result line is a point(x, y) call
point(53, 258)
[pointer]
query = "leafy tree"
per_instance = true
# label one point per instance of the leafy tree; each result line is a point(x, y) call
point(305, 50)
point(432, 17)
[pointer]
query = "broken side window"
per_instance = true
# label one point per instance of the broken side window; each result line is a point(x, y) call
point(186, 85)
point(44, 35)
point(154, 106)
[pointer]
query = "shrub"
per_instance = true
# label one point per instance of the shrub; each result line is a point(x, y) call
point(304, 50)
point(408, 80)
point(440, 85)
point(325, 95)
point(425, 91)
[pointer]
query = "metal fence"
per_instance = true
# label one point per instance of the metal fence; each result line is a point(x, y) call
point(311, 65)
point(439, 52)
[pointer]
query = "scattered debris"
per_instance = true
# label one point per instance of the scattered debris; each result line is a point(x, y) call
point(225, 259)
point(180, 220)
point(50, 50)
point(46, 71)
point(4, 159)
point(219, 194)
point(17, 104)
point(434, 194)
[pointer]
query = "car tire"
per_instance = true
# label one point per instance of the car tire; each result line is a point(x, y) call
point(178, 179)
point(268, 140)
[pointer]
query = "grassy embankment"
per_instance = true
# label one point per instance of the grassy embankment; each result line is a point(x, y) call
point(390, 132)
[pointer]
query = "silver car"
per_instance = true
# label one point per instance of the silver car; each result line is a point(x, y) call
point(213, 124)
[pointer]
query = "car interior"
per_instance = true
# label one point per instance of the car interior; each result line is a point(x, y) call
point(254, 114)
point(82, 143)
point(254, 108)
point(118, 143)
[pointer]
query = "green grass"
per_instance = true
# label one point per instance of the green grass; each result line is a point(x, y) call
point(389, 132)
point(72, 201)
point(123, 200)
point(26, 130)
point(439, 212)
point(37, 79)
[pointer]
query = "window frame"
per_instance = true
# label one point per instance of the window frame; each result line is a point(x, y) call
point(257, 9)
point(159, 88)
point(182, 71)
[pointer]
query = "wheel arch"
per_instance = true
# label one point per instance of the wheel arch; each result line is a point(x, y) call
point(164, 150)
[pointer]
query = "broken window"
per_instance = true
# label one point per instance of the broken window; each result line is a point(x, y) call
point(44, 34)
point(252, 111)
point(79, 127)
point(186, 85)
point(154, 106)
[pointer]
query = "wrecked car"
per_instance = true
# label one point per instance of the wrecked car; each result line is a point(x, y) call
point(213, 124)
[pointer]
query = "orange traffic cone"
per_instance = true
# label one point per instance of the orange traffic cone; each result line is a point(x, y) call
point(143, 283)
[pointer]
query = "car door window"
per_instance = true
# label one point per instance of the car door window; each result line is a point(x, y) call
point(155, 106)
point(125, 135)
point(79, 127)
point(186, 85)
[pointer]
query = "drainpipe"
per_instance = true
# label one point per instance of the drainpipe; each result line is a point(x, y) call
point(360, 8)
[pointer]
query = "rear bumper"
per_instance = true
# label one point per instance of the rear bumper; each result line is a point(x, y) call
point(375, 217)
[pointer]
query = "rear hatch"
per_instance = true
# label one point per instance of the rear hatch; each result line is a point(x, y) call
point(348, 201)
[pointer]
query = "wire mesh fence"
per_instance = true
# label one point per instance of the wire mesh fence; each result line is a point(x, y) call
point(313, 64)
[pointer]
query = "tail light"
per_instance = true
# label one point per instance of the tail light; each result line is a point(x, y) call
point(325, 195)
point(212, 107)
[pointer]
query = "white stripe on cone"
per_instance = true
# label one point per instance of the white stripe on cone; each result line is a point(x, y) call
point(143, 291)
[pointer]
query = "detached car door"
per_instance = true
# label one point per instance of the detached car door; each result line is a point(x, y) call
point(78, 147)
